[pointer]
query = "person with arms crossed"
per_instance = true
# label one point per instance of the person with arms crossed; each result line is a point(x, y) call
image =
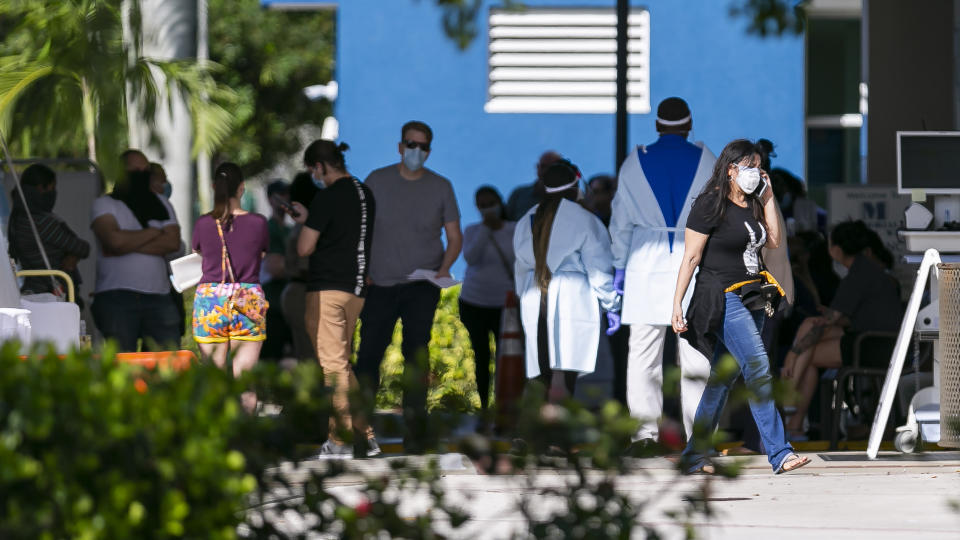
point(135, 230)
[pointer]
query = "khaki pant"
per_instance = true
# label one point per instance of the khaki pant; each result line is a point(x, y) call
point(331, 317)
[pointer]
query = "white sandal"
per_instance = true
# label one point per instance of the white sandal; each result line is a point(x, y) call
point(792, 457)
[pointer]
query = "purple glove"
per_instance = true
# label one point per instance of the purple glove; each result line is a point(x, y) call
point(618, 277)
point(613, 323)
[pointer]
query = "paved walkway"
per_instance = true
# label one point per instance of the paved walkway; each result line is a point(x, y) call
point(838, 495)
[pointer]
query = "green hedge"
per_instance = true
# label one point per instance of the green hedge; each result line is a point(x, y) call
point(90, 448)
point(453, 384)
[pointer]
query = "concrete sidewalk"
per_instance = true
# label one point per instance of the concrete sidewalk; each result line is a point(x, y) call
point(838, 495)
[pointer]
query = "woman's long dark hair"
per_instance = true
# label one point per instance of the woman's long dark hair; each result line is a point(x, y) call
point(717, 190)
point(559, 174)
point(135, 192)
point(226, 182)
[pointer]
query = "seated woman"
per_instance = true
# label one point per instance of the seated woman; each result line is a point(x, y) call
point(62, 246)
point(867, 299)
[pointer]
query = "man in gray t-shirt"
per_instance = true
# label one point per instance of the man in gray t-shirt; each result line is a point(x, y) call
point(414, 205)
point(407, 230)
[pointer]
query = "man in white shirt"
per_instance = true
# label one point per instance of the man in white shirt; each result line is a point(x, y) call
point(135, 230)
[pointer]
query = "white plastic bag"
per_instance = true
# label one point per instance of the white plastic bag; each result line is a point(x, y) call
point(186, 271)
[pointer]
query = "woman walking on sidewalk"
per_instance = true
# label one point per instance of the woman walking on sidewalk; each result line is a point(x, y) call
point(729, 222)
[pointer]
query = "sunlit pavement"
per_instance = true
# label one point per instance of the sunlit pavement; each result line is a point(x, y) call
point(838, 495)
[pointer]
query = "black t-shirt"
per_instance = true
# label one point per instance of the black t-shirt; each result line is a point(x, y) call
point(732, 253)
point(343, 213)
point(868, 296)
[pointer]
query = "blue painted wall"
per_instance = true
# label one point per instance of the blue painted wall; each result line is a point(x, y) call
point(396, 64)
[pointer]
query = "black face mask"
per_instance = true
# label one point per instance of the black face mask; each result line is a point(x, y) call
point(47, 200)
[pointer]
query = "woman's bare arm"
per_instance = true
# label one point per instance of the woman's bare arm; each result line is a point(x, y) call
point(693, 244)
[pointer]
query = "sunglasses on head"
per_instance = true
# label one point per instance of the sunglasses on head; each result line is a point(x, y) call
point(425, 146)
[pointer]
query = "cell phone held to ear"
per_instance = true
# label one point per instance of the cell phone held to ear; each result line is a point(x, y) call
point(761, 189)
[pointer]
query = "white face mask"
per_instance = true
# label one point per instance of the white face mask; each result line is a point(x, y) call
point(748, 178)
point(490, 210)
point(840, 269)
point(413, 158)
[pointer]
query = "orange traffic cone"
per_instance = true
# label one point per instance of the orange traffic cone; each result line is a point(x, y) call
point(511, 371)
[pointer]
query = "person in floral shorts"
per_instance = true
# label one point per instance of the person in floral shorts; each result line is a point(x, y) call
point(229, 309)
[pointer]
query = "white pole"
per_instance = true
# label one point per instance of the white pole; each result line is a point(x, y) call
point(169, 33)
point(204, 183)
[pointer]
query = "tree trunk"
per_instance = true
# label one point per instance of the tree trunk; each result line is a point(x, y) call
point(169, 33)
point(89, 120)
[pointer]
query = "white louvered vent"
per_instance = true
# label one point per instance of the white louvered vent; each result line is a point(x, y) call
point(564, 60)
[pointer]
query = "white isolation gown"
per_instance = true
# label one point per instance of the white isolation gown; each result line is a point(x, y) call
point(641, 242)
point(581, 265)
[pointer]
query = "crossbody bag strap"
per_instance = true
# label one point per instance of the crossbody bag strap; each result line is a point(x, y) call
point(501, 254)
point(225, 264)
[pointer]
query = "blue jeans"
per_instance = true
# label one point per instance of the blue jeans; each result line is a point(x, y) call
point(741, 336)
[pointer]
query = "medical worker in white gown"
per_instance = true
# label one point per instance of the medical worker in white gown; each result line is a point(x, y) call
point(563, 250)
point(657, 186)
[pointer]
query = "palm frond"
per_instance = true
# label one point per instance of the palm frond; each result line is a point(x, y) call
point(211, 105)
point(15, 81)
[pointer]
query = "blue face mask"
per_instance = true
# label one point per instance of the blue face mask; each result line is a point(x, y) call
point(167, 189)
point(413, 158)
point(318, 183)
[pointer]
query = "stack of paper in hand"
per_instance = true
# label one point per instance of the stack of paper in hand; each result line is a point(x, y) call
point(422, 274)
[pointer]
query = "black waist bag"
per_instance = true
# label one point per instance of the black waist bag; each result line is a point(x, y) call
point(759, 295)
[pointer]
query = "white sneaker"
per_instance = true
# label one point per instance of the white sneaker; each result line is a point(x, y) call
point(373, 449)
point(330, 448)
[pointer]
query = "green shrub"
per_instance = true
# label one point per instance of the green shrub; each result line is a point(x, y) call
point(90, 448)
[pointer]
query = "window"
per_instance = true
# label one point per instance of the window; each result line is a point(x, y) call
point(564, 60)
point(835, 97)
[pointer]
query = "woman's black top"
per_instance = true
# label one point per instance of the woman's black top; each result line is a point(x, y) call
point(869, 297)
point(730, 256)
